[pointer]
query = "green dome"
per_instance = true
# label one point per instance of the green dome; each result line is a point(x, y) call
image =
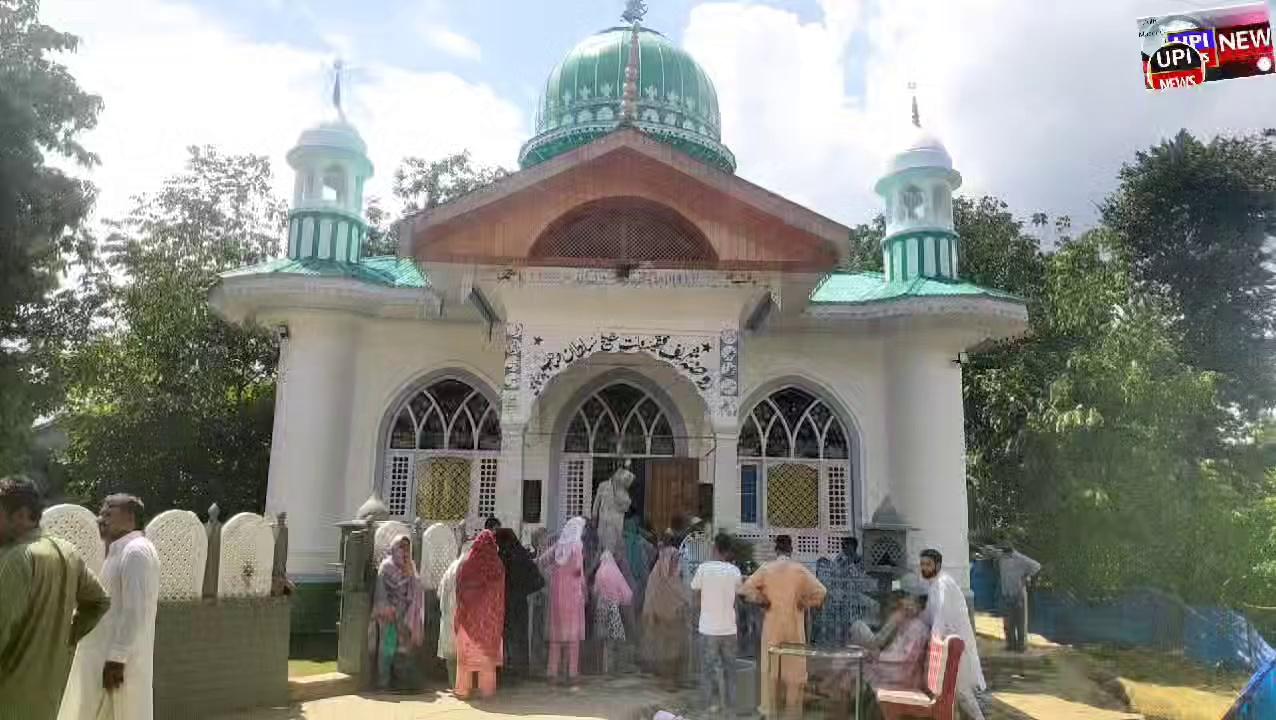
point(582, 99)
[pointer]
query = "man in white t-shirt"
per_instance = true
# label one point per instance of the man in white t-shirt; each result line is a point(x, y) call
point(718, 581)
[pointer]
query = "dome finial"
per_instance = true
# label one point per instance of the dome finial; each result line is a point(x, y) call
point(337, 67)
point(635, 11)
point(917, 118)
point(629, 98)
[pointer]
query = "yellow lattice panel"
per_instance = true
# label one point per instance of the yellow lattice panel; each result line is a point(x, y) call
point(443, 488)
point(793, 496)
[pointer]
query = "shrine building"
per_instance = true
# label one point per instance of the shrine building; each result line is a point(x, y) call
point(623, 296)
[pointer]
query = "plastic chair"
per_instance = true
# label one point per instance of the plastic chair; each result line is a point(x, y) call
point(939, 697)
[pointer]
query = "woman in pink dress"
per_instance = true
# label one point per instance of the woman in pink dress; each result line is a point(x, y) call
point(567, 590)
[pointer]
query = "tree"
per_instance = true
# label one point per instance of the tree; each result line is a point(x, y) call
point(169, 401)
point(42, 114)
point(423, 184)
point(1193, 221)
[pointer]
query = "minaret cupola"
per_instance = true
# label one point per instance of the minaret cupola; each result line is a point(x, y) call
point(326, 221)
point(918, 186)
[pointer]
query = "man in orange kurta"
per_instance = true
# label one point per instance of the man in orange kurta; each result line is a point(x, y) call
point(786, 589)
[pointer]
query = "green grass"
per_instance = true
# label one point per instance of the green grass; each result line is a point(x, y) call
point(1168, 686)
point(304, 668)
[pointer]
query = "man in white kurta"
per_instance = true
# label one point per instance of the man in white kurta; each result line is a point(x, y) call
point(112, 676)
point(947, 614)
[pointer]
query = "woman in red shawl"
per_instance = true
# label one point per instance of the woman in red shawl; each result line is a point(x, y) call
point(480, 617)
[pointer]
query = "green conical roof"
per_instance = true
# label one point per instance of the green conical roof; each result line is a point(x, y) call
point(583, 96)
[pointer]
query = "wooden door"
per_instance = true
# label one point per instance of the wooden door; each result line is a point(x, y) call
point(671, 490)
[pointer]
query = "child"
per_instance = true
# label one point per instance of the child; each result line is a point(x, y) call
point(718, 581)
point(610, 592)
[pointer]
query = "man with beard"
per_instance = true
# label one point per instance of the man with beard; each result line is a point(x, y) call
point(114, 666)
point(947, 615)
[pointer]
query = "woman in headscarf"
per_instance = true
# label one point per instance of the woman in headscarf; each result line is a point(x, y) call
point(639, 554)
point(480, 617)
point(522, 578)
point(567, 591)
point(447, 616)
point(398, 613)
point(611, 591)
point(665, 613)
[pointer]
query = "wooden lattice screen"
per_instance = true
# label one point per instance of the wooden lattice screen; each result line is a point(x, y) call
point(626, 229)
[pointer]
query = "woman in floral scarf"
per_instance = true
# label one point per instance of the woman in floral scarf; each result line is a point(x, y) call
point(480, 617)
point(398, 613)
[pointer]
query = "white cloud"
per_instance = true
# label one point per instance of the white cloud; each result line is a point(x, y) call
point(451, 42)
point(171, 76)
point(1039, 102)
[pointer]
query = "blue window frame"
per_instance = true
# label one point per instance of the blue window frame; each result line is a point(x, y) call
point(748, 493)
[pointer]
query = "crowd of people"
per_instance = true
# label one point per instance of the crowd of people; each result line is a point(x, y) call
point(650, 608)
point(75, 646)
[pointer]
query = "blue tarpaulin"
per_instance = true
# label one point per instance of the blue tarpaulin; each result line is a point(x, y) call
point(1258, 699)
point(1220, 637)
point(983, 582)
point(1212, 636)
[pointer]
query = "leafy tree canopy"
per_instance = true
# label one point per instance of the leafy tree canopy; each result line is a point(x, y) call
point(1194, 220)
point(169, 401)
point(43, 112)
point(421, 184)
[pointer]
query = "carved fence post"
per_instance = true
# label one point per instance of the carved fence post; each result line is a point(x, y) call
point(214, 530)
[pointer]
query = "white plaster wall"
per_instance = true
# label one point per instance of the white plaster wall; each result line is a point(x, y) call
point(845, 369)
point(926, 441)
point(393, 358)
point(308, 447)
point(902, 398)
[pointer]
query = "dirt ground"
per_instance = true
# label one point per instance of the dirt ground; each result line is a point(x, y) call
point(1049, 682)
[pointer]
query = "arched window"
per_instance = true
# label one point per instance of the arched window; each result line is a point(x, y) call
point(796, 471)
point(913, 203)
point(334, 184)
point(441, 454)
point(620, 419)
point(621, 422)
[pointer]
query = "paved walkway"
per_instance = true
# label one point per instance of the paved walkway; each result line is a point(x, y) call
point(630, 698)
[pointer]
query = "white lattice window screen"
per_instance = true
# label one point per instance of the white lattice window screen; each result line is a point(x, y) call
point(838, 506)
point(573, 500)
point(398, 484)
point(807, 545)
point(487, 488)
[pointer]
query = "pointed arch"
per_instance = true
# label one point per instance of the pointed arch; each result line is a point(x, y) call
point(798, 465)
point(440, 441)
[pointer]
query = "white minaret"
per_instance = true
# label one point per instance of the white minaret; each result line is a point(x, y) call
point(326, 219)
point(918, 189)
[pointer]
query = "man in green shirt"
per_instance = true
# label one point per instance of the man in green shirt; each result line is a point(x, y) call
point(48, 601)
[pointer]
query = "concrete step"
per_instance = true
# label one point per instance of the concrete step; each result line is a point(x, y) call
point(323, 685)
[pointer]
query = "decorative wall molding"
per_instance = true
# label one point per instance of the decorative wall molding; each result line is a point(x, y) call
point(980, 306)
point(639, 277)
point(710, 362)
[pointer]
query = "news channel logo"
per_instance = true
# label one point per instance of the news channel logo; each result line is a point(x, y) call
point(1191, 49)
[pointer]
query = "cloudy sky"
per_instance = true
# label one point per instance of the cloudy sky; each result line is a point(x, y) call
point(1039, 101)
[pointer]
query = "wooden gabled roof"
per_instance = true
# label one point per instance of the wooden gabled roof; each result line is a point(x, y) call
point(746, 226)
